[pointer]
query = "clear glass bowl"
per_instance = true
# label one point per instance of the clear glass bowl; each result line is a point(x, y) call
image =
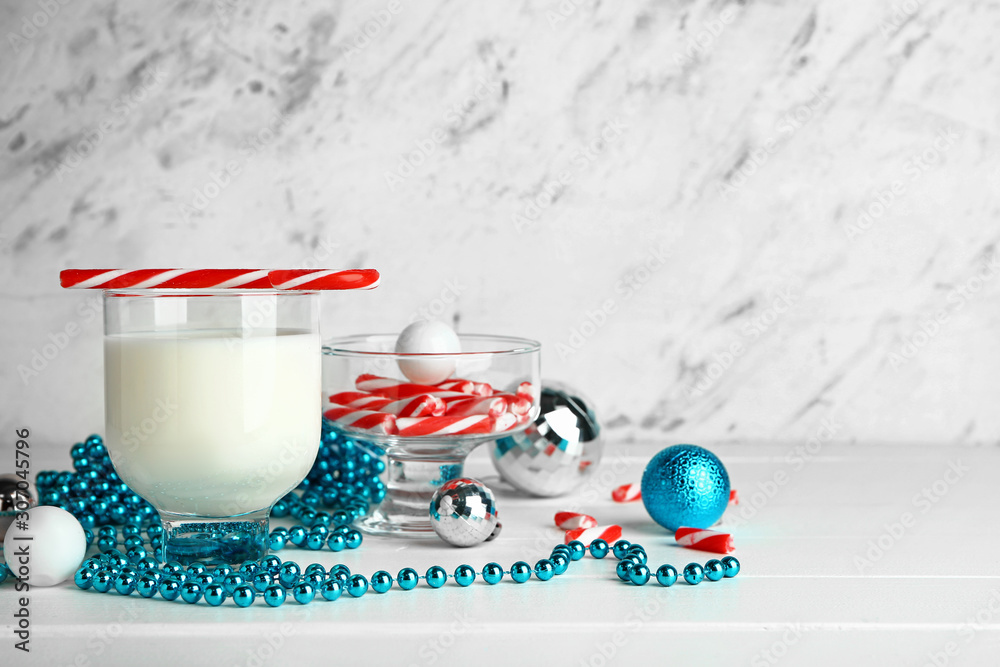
point(416, 465)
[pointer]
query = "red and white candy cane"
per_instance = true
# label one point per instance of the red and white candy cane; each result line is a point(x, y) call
point(505, 422)
point(574, 520)
point(627, 493)
point(421, 405)
point(396, 388)
point(609, 534)
point(323, 279)
point(165, 279)
point(494, 406)
point(704, 540)
point(517, 403)
point(464, 386)
point(447, 425)
point(360, 399)
point(527, 390)
point(363, 420)
point(244, 279)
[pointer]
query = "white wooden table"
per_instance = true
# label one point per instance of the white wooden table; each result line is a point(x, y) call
point(834, 572)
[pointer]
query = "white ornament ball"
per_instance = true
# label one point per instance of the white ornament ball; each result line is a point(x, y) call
point(54, 551)
point(425, 337)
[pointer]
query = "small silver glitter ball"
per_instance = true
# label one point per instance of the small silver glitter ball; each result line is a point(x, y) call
point(16, 495)
point(464, 512)
point(556, 453)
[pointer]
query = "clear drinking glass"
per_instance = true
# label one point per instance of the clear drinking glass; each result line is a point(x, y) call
point(212, 405)
point(417, 466)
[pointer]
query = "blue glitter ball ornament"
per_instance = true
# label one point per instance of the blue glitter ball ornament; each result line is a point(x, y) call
point(685, 485)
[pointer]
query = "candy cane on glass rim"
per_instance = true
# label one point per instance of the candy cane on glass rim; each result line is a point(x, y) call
point(220, 279)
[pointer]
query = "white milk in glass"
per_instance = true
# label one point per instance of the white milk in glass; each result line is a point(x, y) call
point(212, 423)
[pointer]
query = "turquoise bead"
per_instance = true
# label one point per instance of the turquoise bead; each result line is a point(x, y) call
point(435, 576)
point(353, 539)
point(125, 583)
point(249, 568)
point(381, 581)
point(492, 573)
point(520, 572)
point(261, 581)
point(297, 535)
point(205, 578)
point(231, 582)
point(621, 548)
point(315, 578)
point(194, 569)
point(330, 589)
point(215, 594)
point(244, 596)
point(714, 570)
point(276, 541)
point(336, 542)
point(666, 575)
point(544, 569)
point(464, 575)
point(191, 592)
point(598, 548)
point(638, 574)
point(147, 586)
point(170, 590)
point(274, 595)
point(271, 563)
point(560, 563)
point(732, 566)
point(577, 549)
point(357, 586)
point(304, 593)
point(638, 552)
point(632, 558)
point(316, 567)
point(693, 574)
point(622, 569)
point(93, 564)
point(289, 573)
point(84, 578)
point(315, 541)
point(407, 579)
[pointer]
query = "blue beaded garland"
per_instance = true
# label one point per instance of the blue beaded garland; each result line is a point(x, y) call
point(693, 574)
point(560, 563)
point(304, 593)
point(544, 569)
point(147, 586)
point(638, 574)
point(244, 596)
point(666, 575)
point(577, 549)
point(381, 581)
point(331, 590)
point(714, 570)
point(621, 548)
point(288, 574)
point(336, 542)
point(357, 586)
point(125, 583)
point(407, 579)
point(732, 566)
point(215, 594)
point(464, 575)
point(435, 576)
point(232, 581)
point(598, 548)
point(191, 592)
point(520, 572)
point(169, 589)
point(84, 577)
point(622, 569)
point(274, 595)
point(261, 581)
point(492, 573)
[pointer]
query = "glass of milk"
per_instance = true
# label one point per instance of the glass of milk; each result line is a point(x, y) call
point(212, 404)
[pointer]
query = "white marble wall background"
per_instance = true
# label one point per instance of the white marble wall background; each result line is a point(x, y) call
point(737, 174)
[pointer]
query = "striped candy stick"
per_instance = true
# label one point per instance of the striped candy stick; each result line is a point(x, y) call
point(609, 534)
point(360, 400)
point(627, 493)
point(446, 425)
point(397, 388)
point(219, 279)
point(464, 386)
point(323, 279)
point(505, 422)
point(574, 520)
point(704, 540)
point(363, 420)
point(494, 406)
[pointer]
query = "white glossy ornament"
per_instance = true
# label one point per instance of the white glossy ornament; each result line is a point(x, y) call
point(55, 549)
point(427, 337)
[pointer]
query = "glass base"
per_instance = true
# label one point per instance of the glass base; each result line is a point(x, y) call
point(414, 471)
point(214, 540)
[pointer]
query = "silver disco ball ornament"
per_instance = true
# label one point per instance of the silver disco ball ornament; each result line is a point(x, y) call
point(464, 513)
point(556, 453)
